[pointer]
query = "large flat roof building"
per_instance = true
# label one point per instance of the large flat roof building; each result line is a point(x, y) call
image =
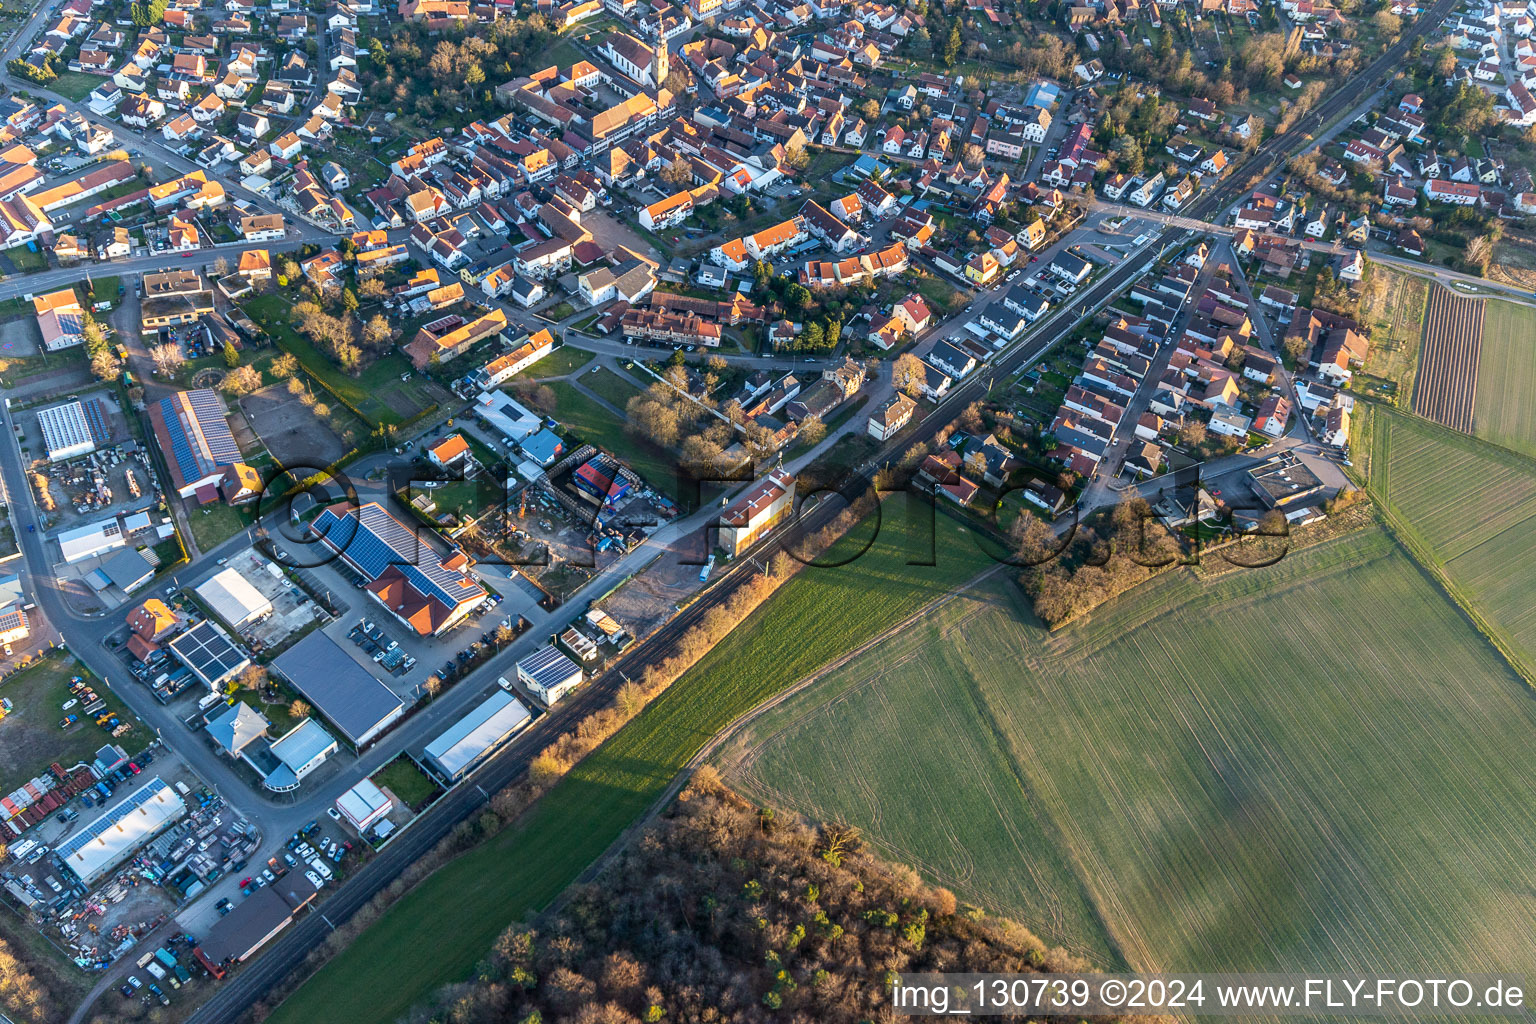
point(255, 920)
point(74, 428)
point(195, 439)
point(427, 592)
point(234, 599)
point(121, 830)
point(469, 741)
point(211, 655)
point(339, 688)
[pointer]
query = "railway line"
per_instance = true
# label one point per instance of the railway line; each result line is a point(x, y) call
point(286, 953)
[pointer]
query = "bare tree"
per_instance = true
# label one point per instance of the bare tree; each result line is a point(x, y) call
point(242, 380)
point(908, 374)
point(168, 358)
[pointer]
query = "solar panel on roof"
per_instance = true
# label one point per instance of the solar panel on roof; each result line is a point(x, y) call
point(200, 436)
point(210, 420)
point(379, 540)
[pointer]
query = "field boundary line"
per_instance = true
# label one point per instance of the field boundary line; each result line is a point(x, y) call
point(1414, 547)
point(686, 772)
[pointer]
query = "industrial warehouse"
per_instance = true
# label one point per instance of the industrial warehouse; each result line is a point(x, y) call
point(128, 825)
point(339, 688)
point(476, 736)
point(233, 599)
point(74, 428)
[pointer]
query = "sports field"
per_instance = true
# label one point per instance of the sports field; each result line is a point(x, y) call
point(1468, 509)
point(1318, 765)
point(459, 911)
point(1506, 377)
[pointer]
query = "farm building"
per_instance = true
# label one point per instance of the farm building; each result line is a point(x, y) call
point(549, 674)
point(469, 741)
point(195, 438)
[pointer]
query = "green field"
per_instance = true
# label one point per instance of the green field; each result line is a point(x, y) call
point(610, 386)
point(589, 421)
point(561, 362)
point(408, 782)
point(459, 911)
point(1318, 765)
point(213, 524)
point(75, 85)
point(1469, 510)
point(30, 737)
point(1506, 377)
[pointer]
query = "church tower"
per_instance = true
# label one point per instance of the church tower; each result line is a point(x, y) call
point(660, 68)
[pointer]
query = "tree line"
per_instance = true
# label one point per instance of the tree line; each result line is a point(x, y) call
point(728, 912)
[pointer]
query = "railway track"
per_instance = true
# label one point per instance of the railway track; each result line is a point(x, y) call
point(286, 953)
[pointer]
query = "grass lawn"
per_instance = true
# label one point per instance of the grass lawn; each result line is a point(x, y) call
point(30, 737)
point(1506, 374)
point(75, 85)
point(1262, 772)
point(561, 362)
point(458, 912)
point(408, 782)
point(362, 391)
point(213, 524)
point(26, 260)
point(1467, 509)
point(581, 416)
point(610, 385)
point(939, 293)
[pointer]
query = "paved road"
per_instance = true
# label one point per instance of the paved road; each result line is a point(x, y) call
point(84, 634)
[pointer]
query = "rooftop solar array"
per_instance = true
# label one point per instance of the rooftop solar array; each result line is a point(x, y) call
point(113, 836)
point(96, 418)
point(373, 540)
point(66, 429)
point(199, 434)
point(210, 654)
